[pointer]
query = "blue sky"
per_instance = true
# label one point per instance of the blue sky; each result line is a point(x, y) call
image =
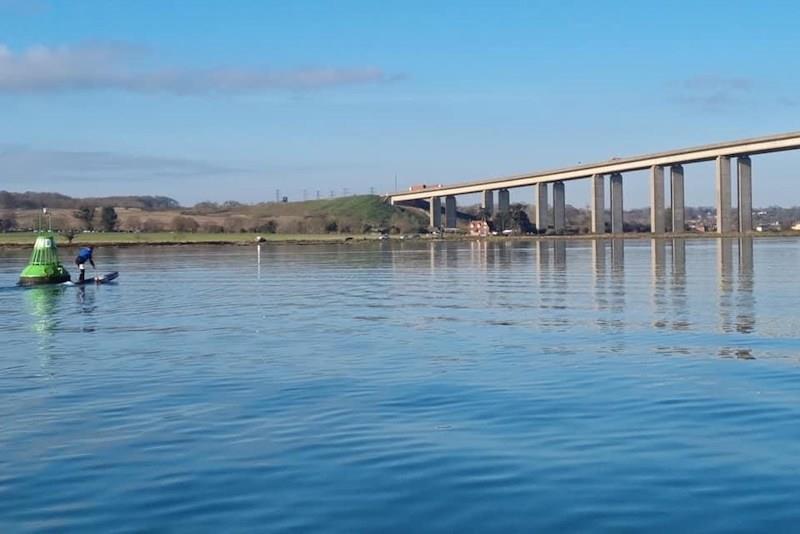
point(217, 100)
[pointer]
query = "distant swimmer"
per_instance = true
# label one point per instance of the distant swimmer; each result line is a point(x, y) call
point(84, 255)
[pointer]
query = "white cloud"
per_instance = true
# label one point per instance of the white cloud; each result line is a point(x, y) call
point(116, 67)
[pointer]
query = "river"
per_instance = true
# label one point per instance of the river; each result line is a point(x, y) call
point(448, 386)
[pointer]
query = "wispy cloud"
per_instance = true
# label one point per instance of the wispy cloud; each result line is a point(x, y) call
point(712, 82)
point(29, 165)
point(712, 93)
point(24, 7)
point(106, 66)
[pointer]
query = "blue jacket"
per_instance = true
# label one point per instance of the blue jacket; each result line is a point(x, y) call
point(84, 255)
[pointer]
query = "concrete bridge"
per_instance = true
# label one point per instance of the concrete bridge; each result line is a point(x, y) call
point(673, 160)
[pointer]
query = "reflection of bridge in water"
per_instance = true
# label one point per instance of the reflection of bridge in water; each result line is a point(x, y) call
point(619, 282)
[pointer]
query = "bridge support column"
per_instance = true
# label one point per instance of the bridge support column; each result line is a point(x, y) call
point(487, 202)
point(540, 208)
point(745, 187)
point(657, 199)
point(559, 207)
point(450, 211)
point(676, 196)
point(723, 194)
point(435, 211)
point(616, 204)
point(598, 204)
point(503, 201)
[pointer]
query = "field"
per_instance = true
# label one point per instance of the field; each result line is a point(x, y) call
point(345, 215)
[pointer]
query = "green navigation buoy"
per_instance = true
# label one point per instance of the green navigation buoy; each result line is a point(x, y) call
point(44, 266)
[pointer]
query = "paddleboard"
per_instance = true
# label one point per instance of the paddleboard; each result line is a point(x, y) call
point(102, 279)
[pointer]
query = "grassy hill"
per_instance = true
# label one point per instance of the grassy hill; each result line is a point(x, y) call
point(364, 210)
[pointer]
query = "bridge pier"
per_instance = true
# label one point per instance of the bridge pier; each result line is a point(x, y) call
point(723, 194)
point(598, 204)
point(435, 212)
point(657, 199)
point(745, 190)
point(676, 197)
point(559, 207)
point(616, 204)
point(450, 217)
point(503, 201)
point(487, 202)
point(540, 208)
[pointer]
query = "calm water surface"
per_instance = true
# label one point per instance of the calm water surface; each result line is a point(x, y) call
point(501, 386)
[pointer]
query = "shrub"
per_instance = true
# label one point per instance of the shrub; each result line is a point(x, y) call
point(182, 223)
point(152, 225)
point(268, 227)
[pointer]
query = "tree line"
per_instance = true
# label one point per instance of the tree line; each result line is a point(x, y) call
point(36, 200)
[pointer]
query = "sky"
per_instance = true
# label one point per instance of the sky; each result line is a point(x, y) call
point(238, 99)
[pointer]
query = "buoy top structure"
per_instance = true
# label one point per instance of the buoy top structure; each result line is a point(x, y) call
point(44, 266)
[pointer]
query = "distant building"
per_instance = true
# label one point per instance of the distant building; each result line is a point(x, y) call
point(479, 228)
point(796, 226)
point(773, 227)
point(697, 226)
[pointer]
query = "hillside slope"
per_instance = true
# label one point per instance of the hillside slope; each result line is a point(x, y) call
point(347, 214)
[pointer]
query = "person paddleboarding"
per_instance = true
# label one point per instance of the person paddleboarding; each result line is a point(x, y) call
point(84, 255)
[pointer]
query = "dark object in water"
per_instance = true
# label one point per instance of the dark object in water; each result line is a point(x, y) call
point(102, 279)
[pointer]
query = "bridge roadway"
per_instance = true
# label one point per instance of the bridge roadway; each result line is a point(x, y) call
point(596, 172)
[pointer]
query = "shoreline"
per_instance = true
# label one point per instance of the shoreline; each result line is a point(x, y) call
point(118, 239)
point(26, 239)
